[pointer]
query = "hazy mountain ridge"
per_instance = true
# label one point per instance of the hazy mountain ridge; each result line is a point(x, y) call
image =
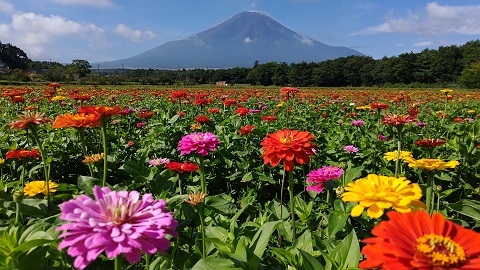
point(238, 42)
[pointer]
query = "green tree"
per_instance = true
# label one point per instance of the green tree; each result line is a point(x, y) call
point(13, 57)
point(470, 77)
point(81, 67)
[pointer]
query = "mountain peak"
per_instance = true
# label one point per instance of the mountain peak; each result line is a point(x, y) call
point(239, 41)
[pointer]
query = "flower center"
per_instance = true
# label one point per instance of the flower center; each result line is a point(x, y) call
point(287, 139)
point(440, 251)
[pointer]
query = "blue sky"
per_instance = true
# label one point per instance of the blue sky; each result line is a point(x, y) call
point(102, 30)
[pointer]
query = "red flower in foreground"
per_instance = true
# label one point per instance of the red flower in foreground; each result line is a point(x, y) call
point(20, 154)
point(417, 240)
point(241, 111)
point(182, 167)
point(379, 106)
point(430, 143)
point(245, 130)
point(288, 145)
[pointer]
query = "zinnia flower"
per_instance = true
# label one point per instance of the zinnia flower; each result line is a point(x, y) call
point(182, 167)
point(378, 192)
point(241, 111)
point(379, 106)
point(115, 222)
point(29, 118)
point(199, 142)
point(393, 155)
point(245, 130)
point(202, 119)
point(195, 198)
point(417, 240)
point(269, 118)
point(93, 158)
point(429, 164)
point(321, 176)
point(36, 187)
point(432, 143)
point(357, 123)
point(21, 154)
point(398, 120)
point(287, 145)
point(105, 112)
point(158, 162)
point(350, 149)
point(79, 120)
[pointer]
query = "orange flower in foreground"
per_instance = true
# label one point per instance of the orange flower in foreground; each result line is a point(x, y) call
point(29, 118)
point(20, 154)
point(288, 145)
point(102, 111)
point(417, 240)
point(79, 120)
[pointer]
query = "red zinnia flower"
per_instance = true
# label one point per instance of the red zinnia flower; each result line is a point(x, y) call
point(202, 119)
point(245, 130)
point(398, 119)
point(413, 111)
point(179, 94)
point(18, 99)
point(458, 120)
point(270, 118)
point(379, 106)
point(241, 111)
point(145, 114)
point(182, 167)
point(20, 154)
point(430, 142)
point(417, 240)
point(229, 102)
point(202, 101)
point(288, 92)
point(288, 145)
point(213, 110)
point(29, 118)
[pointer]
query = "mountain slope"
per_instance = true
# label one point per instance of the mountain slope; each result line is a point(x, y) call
point(238, 42)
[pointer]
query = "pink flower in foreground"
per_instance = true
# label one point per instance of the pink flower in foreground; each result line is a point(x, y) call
point(115, 222)
point(201, 143)
point(321, 176)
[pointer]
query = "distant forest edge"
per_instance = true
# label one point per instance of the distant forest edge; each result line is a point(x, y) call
point(454, 65)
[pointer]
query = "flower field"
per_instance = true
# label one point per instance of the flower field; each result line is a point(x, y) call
point(136, 177)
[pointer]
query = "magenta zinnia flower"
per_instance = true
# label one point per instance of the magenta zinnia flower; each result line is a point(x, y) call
point(321, 176)
point(115, 222)
point(201, 143)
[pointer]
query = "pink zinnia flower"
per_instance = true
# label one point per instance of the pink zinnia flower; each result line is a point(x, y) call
point(115, 222)
point(158, 162)
point(321, 176)
point(201, 143)
point(350, 149)
point(357, 123)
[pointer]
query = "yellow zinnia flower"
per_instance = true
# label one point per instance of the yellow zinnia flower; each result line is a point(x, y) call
point(36, 187)
point(93, 158)
point(366, 107)
point(58, 98)
point(393, 155)
point(446, 91)
point(2, 161)
point(430, 164)
point(378, 192)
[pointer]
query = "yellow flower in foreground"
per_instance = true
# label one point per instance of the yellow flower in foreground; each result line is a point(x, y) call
point(36, 187)
point(393, 155)
point(378, 192)
point(446, 91)
point(59, 98)
point(430, 164)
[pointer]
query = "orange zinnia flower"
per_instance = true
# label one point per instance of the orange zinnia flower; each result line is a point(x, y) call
point(29, 118)
point(288, 145)
point(398, 119)
point(21, 154)
point(102, 111)
point(79, 120)
point(417, 240)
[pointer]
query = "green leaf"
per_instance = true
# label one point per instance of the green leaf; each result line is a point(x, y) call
point(309, 262)
point(468, 208)
point(261, 238)
point(247, 177)
point(336, 222)
point(137, 170)
point(86, 183)
point(353, 173)
point(347, 253)
point(219, 205)
point(215, 263)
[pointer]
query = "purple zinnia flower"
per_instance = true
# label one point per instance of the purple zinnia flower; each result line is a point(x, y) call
point(357, 123)
point(115, 222)
point(382, 137)
point(350, 149)
point(421, 124)
point(201, 143)
point(158, 162)
point(321, 176)
point(141, 124)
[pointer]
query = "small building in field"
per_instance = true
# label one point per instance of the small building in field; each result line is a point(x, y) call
point(221, 83)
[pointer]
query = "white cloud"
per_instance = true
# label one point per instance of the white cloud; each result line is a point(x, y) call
point(307, 41)
point(34, 32)
point(247, 40)
point(434, 19)
point(94, 3)
point(423, 43)
point(6, 7)
point(133, 34)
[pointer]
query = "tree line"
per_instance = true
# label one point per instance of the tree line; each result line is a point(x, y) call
point(447, 65)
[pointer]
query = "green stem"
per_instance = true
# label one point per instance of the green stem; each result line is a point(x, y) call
point(117, 263)
point(17, 213)
point(292, 204)
point(202, 229)
point(81, 135)
point(44, 162)
point(105, 154)
point(202, 175)
point(399, 149)
point(147, 261)
point(430, 198)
